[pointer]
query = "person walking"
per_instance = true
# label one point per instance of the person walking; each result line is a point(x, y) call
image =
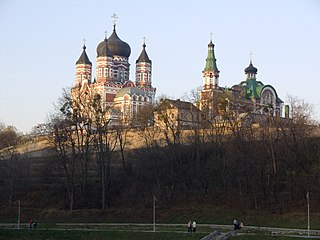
point(194, 226)
point(235, 224)
point(35, 224)
point(30, 223)
point(189, 227)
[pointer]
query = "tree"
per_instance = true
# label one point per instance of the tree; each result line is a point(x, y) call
point(193, 96)
point(72, 138)
point(122, 131)
point(166, 119)
point(13, 174)
point(105, 140)
point(8, 136)
point(300, 139)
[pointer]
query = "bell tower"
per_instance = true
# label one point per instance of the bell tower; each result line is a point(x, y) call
point(83, 68)
point(143, 69)
point(211, 73)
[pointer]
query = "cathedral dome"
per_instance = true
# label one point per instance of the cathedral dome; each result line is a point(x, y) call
point(251, 69)
point(117, 46)
point(103, 49)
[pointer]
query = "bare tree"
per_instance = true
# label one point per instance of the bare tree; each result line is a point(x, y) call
point(12, 175)
point(105, 141)
point(300, 134)
point(168, 123)
point(72, 139)
point(122, 131)
point(8, 136)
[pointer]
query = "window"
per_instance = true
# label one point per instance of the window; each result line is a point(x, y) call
point(120, 74)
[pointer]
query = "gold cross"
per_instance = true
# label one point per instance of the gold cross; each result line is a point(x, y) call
point(211, 33)
point(250, 54)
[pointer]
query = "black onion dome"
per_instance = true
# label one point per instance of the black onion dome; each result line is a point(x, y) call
point(83, 59)
point(143, 56)
point(117, 46)
point(103, 49)
point(251, 69)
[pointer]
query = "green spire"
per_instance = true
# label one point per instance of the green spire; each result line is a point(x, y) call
point(211, 64)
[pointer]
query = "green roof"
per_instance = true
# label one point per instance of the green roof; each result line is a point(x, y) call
point(253, 89)
point(211, 64)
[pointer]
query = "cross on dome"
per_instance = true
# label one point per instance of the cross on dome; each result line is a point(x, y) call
point(211, 33)
point(250, 54)
point(114, 16)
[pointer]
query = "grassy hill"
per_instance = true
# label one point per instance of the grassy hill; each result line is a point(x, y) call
point(32, 174)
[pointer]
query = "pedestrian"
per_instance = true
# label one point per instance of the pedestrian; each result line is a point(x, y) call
point(189, 227)
point(194, 226)
point(35, 224)
point(30, 223)
point(235, 224)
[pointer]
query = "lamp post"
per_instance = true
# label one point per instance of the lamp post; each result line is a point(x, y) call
point(308, 214)
point(18, 214)
point(154, 213)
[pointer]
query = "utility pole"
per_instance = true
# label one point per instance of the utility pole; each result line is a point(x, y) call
point(18, 214)
point(308, 214)
point(154, 213)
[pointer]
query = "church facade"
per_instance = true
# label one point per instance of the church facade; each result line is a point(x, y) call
point(121, 97)
point(249, 96)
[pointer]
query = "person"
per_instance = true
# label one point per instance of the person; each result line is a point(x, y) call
point(35, 224)
point(30, 223)
point(237, 224)
point(189, 227)
point(194, 226)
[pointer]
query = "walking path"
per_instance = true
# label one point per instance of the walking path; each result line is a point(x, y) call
point(292, 232)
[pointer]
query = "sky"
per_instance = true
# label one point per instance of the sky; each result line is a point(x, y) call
point(40, 42)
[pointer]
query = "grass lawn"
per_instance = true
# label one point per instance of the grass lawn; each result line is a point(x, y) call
point(94, 235)
point(178, 214)
point(42, 234)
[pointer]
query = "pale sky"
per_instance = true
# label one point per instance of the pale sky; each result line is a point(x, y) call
point(40, 41)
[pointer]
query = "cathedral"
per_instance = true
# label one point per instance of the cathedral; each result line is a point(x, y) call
point(122, 97)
